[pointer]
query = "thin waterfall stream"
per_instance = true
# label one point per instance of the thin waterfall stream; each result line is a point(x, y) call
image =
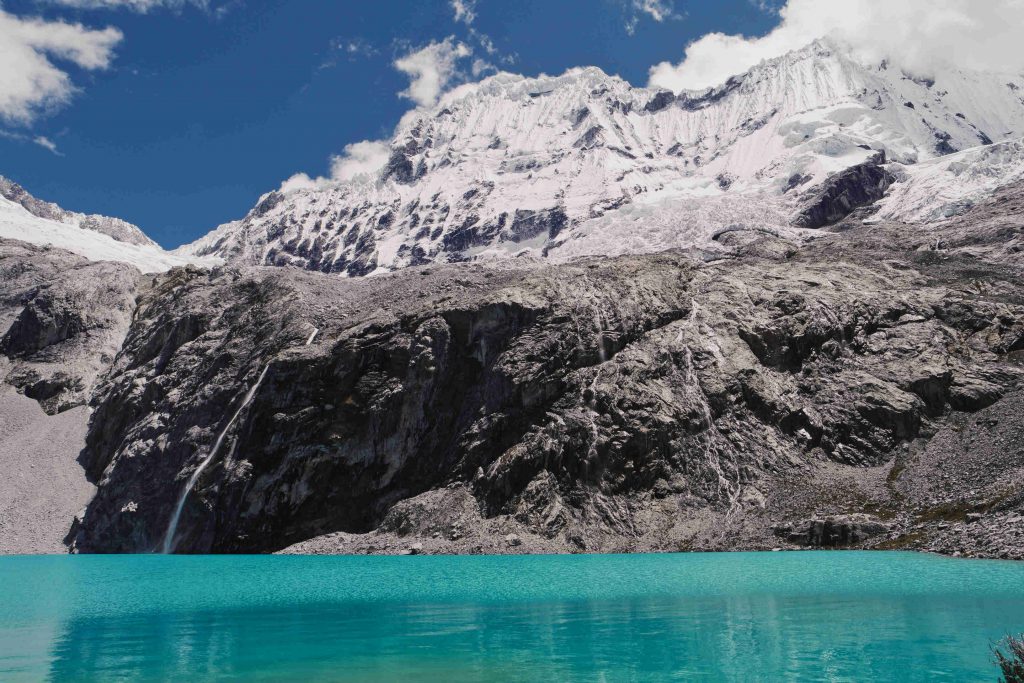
point(172, 527)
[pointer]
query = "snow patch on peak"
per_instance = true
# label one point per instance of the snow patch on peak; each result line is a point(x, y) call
point(583, 162)
point(952, 185)
point(118, 229)
point(98, 238)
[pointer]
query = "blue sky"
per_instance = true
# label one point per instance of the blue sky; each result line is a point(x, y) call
point(202, 109)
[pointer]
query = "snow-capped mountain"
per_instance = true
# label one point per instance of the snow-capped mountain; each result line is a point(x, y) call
point(98, 238)
point(118, 229)
point(584, 163)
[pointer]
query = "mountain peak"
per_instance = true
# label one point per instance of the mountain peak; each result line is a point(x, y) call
point(585, 163)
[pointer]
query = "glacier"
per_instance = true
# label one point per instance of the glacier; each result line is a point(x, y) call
point(586, 164)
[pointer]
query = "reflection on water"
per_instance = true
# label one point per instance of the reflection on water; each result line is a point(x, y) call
point(833, 616)
point(746, 638)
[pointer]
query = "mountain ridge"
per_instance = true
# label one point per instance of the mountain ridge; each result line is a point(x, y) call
point(27, 219)
point(570, 165)
point(826, 349)
point(115, 228)
point(585, 164)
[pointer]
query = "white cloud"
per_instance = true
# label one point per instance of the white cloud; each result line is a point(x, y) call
point(357, 47)
point(359, 161)
point(431, 69)
point(141, 6)
point(920, 36)
point(300, 181)
point(47, 143)
point(465, 10)
point(29, 82)
point(40, 140)
point(659, 10)
point(484, 40)
point(481, 67)
point(352, 49)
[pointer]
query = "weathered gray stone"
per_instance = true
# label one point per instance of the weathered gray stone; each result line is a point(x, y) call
point(832, 532)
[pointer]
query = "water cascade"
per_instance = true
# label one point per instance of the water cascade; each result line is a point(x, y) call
point(172, 527)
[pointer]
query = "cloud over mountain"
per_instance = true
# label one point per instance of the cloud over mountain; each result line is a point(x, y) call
point(921, 36)
point(431, 69)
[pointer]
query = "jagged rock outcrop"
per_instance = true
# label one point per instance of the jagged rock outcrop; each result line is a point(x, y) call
point(832, 532)
point(62, 320)
point(652, 401)
point(842, 192)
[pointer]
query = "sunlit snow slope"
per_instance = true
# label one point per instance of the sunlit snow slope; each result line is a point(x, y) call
point(584, 163)
point(16, 222)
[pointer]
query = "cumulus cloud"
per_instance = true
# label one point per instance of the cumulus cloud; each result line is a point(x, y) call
point(300, 181)
point(29, 82)
point(431, 69)
point(920, 36)
point(465, 10)
point(359, 161)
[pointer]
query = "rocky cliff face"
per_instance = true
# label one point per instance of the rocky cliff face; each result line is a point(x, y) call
point(782, 312)
point(836, 198)
point(640, 402)
point(63, 319)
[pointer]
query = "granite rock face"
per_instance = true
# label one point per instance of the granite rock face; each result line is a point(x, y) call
point(647, 402)
point(832, 532)
point(63, 319)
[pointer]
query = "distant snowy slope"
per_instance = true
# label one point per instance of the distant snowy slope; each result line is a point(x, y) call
point(584, 163)
point(951, 185)
point(120, 230)
point(17, 223)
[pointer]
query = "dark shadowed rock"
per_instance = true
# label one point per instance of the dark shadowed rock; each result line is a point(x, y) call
point(662, 99)
point(843, 192)
point(585, 406)
point(832, 532)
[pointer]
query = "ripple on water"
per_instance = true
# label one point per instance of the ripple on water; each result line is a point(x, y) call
point(739, 616)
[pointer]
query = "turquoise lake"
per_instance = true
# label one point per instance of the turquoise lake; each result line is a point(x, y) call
point(829, 616)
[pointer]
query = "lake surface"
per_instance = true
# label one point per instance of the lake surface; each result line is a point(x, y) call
point(835, 616)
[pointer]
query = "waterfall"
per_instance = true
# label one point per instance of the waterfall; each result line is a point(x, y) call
point(172, 527)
